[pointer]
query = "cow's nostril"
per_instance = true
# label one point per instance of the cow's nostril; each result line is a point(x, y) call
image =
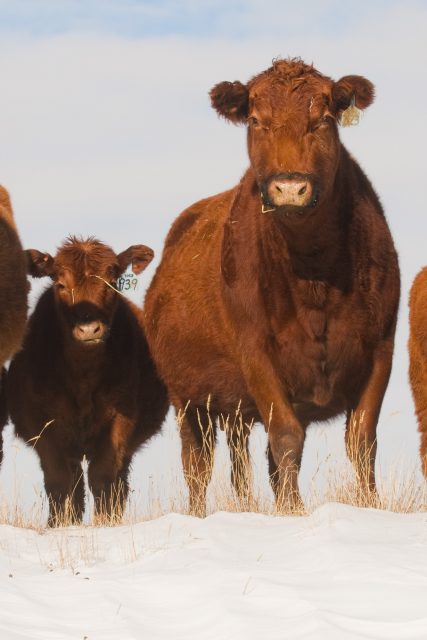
point(278, 188)
point(302, 190)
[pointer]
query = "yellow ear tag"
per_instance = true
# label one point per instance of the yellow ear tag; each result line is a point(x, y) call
point(350, 116)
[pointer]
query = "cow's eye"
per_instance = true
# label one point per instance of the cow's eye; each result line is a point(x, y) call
point(322, 123)
point(60, 286)
point(254, 122)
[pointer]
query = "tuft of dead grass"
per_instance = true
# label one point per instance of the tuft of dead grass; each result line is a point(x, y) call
point(235, 489)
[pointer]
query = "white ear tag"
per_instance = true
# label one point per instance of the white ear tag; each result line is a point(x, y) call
point(127, 282)
point(350, 116)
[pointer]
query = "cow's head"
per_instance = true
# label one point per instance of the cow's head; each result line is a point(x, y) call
point(291, 112)
point(84, 275)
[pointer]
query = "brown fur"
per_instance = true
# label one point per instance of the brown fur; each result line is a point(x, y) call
point(104, 398)
point(13, 282)
point(292, 313)
point(417, 345)
point(13, 291)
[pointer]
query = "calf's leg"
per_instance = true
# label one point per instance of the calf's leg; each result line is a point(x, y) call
point(64, 486)
point(110, 487)
point(109, 468)
point(108, 480)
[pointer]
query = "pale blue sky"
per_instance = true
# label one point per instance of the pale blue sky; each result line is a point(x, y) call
point(190, 18)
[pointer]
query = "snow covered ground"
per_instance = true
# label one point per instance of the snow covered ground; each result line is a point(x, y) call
point(341, 573)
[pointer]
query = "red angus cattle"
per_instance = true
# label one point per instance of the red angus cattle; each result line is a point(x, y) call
point(282, 293)
point(84, 380)
point(13, 282)
point(13, 291)
point(417, 345)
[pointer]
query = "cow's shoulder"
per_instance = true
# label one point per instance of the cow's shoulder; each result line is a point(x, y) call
point(201, 211)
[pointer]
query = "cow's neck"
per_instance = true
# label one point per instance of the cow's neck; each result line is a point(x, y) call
point(312, 248)
point(316, 246)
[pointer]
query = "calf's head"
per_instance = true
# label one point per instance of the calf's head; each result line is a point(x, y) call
point(291, 111)
point(84, 275)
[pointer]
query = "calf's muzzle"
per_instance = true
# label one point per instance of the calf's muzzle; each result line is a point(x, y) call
point(90, 332)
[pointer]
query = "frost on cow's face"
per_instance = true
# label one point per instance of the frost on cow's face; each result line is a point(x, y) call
point(84, 275)
point(291, 112)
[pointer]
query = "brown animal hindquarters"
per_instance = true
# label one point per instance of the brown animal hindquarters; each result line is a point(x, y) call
point(289, 314)
point(418, 357)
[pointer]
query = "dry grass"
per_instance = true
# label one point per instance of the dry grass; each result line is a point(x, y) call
point(239, 490)
point(72, 548)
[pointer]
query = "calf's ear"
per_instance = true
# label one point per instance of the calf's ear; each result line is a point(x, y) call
point(39, 264)
point(231, 100)
point(352, 90)
point(138, 255)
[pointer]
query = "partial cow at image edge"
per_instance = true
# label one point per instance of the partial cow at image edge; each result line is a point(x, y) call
point(13, 293)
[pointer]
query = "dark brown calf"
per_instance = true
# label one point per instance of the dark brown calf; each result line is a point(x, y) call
point(417, 346)
point(282, 293)
point(84, 383)
point(13, 292)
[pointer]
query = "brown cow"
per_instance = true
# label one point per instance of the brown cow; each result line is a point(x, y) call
point(417, 345)
point(84, 381)
point(13, 292)
point(282, 293)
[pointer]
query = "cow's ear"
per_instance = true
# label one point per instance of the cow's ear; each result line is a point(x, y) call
point(138, 255)
point(231, 100)
point(39, 264)
point(352, 91)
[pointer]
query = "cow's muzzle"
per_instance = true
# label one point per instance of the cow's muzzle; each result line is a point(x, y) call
point(90, 333)
point(288, 190)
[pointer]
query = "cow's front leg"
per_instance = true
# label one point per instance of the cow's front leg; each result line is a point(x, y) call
point(109, 470)
point(286, 434)
point(285, 446)
point(362, 418)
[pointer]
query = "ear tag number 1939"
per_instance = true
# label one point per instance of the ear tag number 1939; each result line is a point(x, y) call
point(127, 282)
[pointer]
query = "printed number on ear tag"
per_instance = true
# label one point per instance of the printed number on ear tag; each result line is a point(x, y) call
point(127, 282)
point(350, 116)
